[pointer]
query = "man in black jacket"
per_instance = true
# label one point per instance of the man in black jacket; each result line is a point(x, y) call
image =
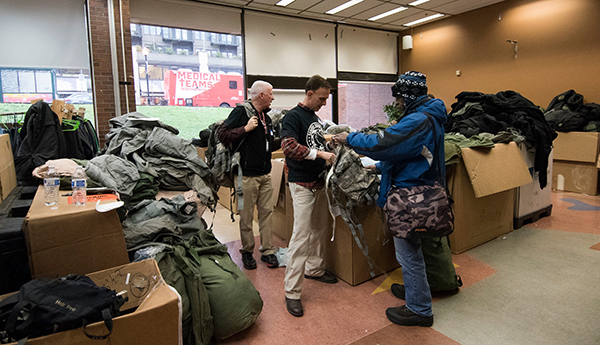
point(306, 154)
point(249, 128)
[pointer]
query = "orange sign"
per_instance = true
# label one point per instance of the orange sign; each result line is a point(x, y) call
point(96, 197)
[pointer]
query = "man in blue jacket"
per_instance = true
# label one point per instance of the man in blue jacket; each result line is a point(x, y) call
point(406, 152)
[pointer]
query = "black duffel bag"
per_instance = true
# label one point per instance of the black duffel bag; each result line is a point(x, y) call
point(44, 307)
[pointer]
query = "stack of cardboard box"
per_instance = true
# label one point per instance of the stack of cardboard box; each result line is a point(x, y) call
point(576, 162)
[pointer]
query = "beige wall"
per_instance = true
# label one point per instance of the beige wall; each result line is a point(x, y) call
point(558, 50)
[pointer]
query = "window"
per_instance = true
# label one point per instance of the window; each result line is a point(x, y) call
point(173, 78)
point(351, 102)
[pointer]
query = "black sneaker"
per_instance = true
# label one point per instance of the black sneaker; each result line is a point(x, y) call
point(248, 260)
point(326, 278)
point(270, 260)
point(405, 317)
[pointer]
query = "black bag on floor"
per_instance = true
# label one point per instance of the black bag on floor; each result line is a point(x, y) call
point(43, 307)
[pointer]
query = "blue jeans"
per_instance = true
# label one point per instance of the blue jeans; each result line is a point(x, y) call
point(410, 257)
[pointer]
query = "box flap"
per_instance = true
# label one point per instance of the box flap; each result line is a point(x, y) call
point(276, 176)
point(137, 279)
point(577, 146)
point(495, 170)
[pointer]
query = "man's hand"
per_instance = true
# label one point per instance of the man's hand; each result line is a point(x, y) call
point(371, 167)
point(329, 157)
point(340, 138)
point(252, 123)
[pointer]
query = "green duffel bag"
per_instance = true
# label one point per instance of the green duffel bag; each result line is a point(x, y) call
point(441, 274)
point(234, 302)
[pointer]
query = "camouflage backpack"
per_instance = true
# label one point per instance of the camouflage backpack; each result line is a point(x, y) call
point(225, 166)
point(352, 185)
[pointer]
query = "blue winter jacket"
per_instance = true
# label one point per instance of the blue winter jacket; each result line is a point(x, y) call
point(405, 149)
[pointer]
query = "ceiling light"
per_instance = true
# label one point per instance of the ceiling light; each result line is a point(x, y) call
point(286, 2)
point(418, 2)
point(388, 13)
point(343, 6)
point(437, 15)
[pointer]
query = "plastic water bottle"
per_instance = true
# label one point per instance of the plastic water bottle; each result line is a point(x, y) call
point(51, 184)
point(78, 184)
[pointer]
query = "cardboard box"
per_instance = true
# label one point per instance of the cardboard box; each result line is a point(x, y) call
point(157, 315)
point(577, 147)
point(483, 186)
point(530, 198)
point(201, 153)
point(276, 173)
point(67, 239)
point(576, 162)
point(575, 177)
point(8, 177)
point(346, 260)
point(277, 154)
point(283, 212)
point(343, 258)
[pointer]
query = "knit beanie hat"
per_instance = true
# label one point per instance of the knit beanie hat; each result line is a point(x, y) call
point(411, 85)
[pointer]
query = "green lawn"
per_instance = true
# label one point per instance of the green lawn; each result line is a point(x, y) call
point(188, 120)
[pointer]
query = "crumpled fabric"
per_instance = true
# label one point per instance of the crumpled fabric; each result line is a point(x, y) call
point(113, 172)
point(63, 166)
point(181, 211)
point(161, 229)
point(155, 149)
point(163, 220)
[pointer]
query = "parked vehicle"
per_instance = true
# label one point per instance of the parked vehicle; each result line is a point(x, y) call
point(80, 98)
point(197, 89)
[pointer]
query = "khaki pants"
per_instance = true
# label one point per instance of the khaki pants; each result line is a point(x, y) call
point(258, 192)
point(306, 249)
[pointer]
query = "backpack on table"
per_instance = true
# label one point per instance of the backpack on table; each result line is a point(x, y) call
point(43, 307)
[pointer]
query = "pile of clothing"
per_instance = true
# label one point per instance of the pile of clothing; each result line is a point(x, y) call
point(566, 112)
point(138, 146)
point(505, 114)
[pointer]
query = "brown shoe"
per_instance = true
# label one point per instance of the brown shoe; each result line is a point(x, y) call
point(294, 306)
point(326, 278)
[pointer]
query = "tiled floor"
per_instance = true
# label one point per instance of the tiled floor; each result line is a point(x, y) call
point(536, 285)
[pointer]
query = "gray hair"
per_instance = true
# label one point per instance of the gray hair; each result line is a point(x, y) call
point(258, 87)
